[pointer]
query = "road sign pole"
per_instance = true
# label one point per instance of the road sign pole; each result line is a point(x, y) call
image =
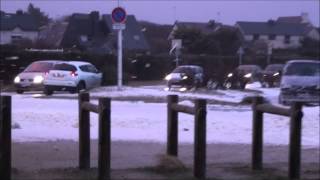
point(119, 59)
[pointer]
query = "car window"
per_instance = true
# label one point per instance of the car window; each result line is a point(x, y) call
point(39, 67)
point(303, 69)
point(274, 67)
point(92, 69)
point(65, 67)
point(88, 68)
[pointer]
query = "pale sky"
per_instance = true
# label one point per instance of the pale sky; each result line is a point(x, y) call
point(166, 11)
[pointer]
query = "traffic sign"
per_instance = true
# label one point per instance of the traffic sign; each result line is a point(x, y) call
point(118, 15)
point(118, 26)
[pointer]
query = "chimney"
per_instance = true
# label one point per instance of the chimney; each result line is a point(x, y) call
point(271, 22)
point(19, 12)
point(94, 19)
point(305, 17)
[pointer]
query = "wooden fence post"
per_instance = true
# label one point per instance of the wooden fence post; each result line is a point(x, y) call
point(257, 135)
point(104, 138)
point(200, 139)
point(84, 133)
point(5, 138)
point(295, 141)
point(172, 131)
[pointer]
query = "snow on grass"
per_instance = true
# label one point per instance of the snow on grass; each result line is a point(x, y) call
point(43, 119)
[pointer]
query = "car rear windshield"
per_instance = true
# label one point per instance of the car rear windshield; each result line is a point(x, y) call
point(274, 67)
point(65, 67)
point(303, 69)
point(187, 70)
point(39, 67)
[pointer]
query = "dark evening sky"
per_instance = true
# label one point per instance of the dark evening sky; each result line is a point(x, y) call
point(166, 11)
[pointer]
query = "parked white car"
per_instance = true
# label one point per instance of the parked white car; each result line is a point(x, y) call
point(300, 82)
point(33, 76)
point(72, 76)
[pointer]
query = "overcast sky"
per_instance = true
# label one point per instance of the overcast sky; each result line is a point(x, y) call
point(166, 11)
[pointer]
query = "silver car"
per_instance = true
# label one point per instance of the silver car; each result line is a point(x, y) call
point(33, 76)
point(300, 82)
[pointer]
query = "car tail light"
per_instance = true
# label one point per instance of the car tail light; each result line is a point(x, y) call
point(74, 74)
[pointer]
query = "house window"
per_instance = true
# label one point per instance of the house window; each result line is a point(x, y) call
point(287, 39)
point(255, 37)
point(272, 37)
point(16, 38)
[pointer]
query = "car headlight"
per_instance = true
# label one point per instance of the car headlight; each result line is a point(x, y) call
point(182, 89)
point(38, 79)
point(230, 75)
point(276, 74)
point(248, 75)
point(168, 77)
point(17, 79)
point(185, 77)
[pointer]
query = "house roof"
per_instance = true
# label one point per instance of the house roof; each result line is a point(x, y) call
point(133, 37)
point(25, 22)
point(88, 25)
point(290, 19)
point(273, 28)
point(206, 28)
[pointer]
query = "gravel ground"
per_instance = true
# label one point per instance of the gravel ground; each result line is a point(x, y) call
point(135, 160)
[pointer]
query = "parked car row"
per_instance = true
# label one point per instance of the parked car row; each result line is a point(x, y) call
point(190, 76)
point(54, 75)
point(299, 80)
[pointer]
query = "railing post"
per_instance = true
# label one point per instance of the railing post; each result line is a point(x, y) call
point(84, 133)
point(257, 135)
point(5, 137)
point(295, 140)
point(104, 138)
point(172, 131)
point(200, 139)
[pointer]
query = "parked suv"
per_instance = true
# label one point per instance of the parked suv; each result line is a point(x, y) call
point(300, 82)
point(33, 76)
point(272, 75)
point(186, 76)
point(242, 75)
point(72, 76)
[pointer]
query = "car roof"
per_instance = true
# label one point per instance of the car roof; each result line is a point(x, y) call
point(49, 61)
point(78, 63)
point(303, 60)
point(189, 66)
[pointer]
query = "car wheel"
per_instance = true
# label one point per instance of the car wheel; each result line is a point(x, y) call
point(212, 84)
point(47, 91)
point(19, 91)
point(228, 85)
point(81, 86)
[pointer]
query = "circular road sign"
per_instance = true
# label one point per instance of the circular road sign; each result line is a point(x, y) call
point(118, 15)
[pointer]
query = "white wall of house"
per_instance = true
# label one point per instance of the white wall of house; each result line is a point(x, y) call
point(278, 42)
point(314, 34)
point(6, 36)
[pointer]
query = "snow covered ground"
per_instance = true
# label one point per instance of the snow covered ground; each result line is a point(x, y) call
point(44, 119)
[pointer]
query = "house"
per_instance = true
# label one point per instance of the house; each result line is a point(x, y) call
point(18, 26)
point(205, 28)
point(92, 33)
point(277, 34)
point(51, 35)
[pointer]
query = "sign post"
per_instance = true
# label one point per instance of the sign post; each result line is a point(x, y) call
point(118, 16)
point(240, 53)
